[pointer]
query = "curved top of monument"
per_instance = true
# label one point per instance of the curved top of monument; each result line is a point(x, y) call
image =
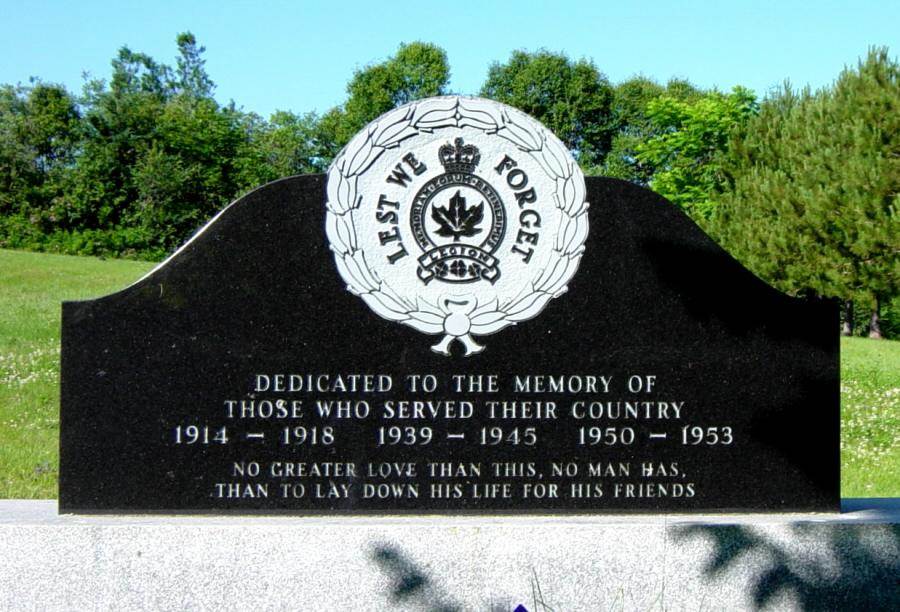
point(456, 216)
point(643, 261)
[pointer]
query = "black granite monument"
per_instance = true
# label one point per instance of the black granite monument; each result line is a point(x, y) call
point(633, 367)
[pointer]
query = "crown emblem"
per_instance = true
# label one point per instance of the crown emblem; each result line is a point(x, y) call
point(459, 157)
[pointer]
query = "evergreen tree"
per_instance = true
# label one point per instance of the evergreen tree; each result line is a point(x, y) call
point(192, 78)
point(813, 188)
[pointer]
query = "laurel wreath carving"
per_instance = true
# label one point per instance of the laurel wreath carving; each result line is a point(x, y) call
point(407, 121)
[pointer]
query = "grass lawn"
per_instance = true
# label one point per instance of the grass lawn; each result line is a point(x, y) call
point(32, 285)
point(870, 418)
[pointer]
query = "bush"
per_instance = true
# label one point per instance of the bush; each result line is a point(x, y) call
point(18, 232)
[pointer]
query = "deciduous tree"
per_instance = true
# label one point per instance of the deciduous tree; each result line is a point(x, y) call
point(40, 133)
point(417, 70)
point(285, 145)
point(688, 138)
point(572, 98)
point(633, 125)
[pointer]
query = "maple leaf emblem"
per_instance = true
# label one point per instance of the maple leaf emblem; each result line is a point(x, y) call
point(456, 219)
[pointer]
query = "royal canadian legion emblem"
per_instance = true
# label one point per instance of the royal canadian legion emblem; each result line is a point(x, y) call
point(456, 216)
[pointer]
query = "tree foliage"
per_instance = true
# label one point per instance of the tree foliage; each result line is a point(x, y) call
point(573, 99)
point(803, 187)
point(159, 154)
point(285, 145)
point(685, 146)
point(813, 190)
point(418, 70)
point(136, 164)
point(40, 129)
point(192, 79)
point(142, 160)
point(633, 125)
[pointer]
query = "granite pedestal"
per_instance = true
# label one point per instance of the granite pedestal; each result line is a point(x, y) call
point(639, 562)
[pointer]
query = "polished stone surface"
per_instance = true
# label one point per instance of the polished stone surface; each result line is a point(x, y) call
point(673, 562)
point(147, 375)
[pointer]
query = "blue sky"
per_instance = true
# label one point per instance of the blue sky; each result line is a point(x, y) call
point(299, 55)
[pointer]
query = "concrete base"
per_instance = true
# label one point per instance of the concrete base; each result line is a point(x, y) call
point(801, 561)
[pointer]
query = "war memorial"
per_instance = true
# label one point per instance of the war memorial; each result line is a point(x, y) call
point(452, 373)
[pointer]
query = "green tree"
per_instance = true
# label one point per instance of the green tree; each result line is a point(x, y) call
point(688, 140)
point(139, 162)
point(633, 125)
point(192, 78)
point(159, 154)
point(813, 188)
point(286, 145)
point(17, 173)
point(120, 122)
point(573, 99)
point(39, 136)
point(51, 126)
point(134, 73)
point(187, 171)
point(418, 70)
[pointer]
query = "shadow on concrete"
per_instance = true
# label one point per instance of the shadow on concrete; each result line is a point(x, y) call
point(854, 567)
point(410, 585)
point(412, 589)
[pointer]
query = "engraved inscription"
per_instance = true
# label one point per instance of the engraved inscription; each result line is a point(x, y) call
point(443, 425)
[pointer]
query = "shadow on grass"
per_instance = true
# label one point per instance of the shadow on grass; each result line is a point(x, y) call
point(858, 569)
